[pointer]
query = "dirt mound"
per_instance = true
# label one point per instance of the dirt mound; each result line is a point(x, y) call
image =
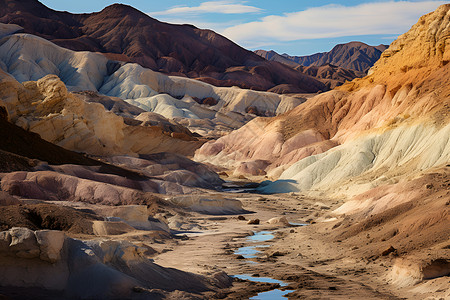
point(47, 216)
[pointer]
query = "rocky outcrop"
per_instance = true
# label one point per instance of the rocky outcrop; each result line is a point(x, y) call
point(137, 216)
point(208, 204)
point(48, 260)
point(47, 108)
point(47, 216)
point(124, 33)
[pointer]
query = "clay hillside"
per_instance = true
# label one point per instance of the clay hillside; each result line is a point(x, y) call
point(405, 94)
point(124, 33)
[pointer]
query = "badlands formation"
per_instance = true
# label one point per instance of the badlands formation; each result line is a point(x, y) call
point(110, 186)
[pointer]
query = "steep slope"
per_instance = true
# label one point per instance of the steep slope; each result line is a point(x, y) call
point(124, 33)
point(392, 122)
point(355, 56)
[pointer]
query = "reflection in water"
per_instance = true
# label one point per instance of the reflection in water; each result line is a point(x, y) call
point(269, 295)
point(251, 252)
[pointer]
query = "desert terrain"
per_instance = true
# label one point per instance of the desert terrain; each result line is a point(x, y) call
point(127, 176)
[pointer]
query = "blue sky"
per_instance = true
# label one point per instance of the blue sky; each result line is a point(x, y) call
point(286, 26)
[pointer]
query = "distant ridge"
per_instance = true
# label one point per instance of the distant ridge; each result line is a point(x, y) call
point(123, 33)
point(353, 56)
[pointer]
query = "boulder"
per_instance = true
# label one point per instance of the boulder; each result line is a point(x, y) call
point(253, 222)
point(279, 220)
point(208, 204)
point(24, 243)
point(50, 243)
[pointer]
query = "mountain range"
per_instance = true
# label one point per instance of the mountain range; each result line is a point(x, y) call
point(123, 33)
point(355, 56)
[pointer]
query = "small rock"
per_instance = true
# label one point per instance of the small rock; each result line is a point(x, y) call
point(253, 222)
point(279, 220)
point(388, 251)
point(292, 231)
point(240, 257)
point(50, 244)
point(242, 218)
point(277, 253)
point(429, 186)
point(23, 243)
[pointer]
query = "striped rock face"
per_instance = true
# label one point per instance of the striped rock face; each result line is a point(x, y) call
point(390, 124)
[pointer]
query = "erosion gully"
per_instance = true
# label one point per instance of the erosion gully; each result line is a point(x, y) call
point(259, 239)
point(228, 243)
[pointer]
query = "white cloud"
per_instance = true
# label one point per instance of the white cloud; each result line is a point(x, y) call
point(223, 7)
point(332, 21)
point(199, 23)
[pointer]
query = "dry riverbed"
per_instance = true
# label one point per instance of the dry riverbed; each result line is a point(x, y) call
point(306, 260)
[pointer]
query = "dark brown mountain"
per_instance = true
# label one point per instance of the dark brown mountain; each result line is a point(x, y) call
point(353, 56)
point(124, 33)
point(331, 75)
point(274, 56)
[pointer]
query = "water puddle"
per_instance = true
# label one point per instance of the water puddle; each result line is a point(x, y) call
point(261, 236)
point(297, 224)
point(239, 187)
point(272, 295)
point(251, 252)
point(269, 295)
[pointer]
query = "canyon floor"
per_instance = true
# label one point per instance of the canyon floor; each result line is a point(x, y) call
point(289, 245)
point(303, 254)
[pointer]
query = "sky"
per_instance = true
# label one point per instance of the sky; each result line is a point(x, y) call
point(296, 27)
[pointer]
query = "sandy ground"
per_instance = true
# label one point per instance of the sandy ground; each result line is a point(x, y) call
point(307, 258)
